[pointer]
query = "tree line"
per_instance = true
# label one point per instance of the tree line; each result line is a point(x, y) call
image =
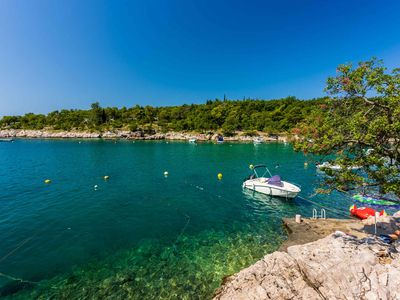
point(228, 116)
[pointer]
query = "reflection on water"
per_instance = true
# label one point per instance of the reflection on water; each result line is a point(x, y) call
point(266, 204)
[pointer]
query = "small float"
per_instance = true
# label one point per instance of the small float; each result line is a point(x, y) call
point(364, 212)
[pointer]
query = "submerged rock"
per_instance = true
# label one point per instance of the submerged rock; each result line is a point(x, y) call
point(336, 267)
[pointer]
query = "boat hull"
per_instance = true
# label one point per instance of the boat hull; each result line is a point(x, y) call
point(287, 191)
point(258, 141)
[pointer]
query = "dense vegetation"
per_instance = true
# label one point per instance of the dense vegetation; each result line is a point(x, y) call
point(360, 124)
point(273, 116)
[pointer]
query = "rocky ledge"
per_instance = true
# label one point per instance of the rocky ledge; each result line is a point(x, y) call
point(339, 266)
point(350, 263)
point(124, 134)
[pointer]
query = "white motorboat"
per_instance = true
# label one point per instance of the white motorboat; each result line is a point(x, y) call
point(387, 161)
point(327, 165)
point(7, 140)
point(192, 140)
point(272, 185)
point(258, 140)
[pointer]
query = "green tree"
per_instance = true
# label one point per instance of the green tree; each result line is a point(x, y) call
point(97, 115)
point(10, 122)
point(133, 126)
point(360, 125)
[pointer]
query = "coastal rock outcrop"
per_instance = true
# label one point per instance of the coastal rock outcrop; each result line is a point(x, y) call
point(336, 267)
point(125, 134)
point(28, 133)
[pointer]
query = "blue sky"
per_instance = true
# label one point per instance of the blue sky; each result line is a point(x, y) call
point(68, 54)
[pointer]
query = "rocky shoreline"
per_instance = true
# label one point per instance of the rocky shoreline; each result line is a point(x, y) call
point(129, 135)
point(346, 264)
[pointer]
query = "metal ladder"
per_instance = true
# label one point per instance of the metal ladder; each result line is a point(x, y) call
point(322, 214)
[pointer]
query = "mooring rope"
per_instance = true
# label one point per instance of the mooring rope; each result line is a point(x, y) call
point(333, 210)
point(336, 211)
point(184, 227)
point(18, 246)
point(23, 242)
point(16, 278)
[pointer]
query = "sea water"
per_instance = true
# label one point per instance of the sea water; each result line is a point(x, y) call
point(140, 234)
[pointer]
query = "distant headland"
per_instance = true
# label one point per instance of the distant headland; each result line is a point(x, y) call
point(237, 120)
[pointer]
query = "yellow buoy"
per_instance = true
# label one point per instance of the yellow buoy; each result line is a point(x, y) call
point(219, 176)
point(251, 167)
point(47, 181)
point(106, 177)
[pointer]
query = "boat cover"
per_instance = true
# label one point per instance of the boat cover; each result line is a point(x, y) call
point(275, 180)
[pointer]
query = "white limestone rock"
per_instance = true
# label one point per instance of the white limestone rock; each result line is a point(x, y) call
point(335, 267)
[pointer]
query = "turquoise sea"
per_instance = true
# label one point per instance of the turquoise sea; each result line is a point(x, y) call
point(140, 234)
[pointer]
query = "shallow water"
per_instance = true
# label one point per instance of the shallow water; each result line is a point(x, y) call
point(140, 234)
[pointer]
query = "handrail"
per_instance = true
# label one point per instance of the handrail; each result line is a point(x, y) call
point(314, 213)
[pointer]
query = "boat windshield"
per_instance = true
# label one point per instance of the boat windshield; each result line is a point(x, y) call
point(261, 171)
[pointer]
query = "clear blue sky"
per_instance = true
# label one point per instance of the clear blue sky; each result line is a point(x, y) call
point(68, 54)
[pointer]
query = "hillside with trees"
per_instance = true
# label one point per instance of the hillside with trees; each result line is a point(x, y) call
point(227, 116)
